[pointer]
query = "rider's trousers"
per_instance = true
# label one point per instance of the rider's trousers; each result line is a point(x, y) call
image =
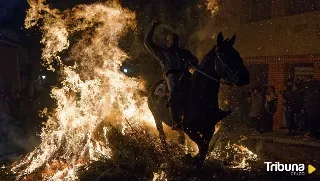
point(173, 87)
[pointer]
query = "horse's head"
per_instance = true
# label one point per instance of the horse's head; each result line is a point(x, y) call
point(228, 63)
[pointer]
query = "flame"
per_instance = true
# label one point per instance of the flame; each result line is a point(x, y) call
point(217, 127)
point(92, 91)
point(243, 154)
point(213, 6)
point(237, 155)
point(162, 176)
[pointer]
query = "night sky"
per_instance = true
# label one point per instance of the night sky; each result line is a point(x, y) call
point(13, 12)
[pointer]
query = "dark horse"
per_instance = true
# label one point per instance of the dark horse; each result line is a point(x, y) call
point(201, 111)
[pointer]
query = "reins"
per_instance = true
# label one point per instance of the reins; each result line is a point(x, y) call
point(212, 78)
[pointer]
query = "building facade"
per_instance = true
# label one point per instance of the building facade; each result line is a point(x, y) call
point(13, 60)
point(283, 35)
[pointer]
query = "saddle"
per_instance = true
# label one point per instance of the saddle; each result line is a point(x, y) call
point(185, 82)
point(184, 87)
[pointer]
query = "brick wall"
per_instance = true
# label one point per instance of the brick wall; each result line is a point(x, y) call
point(289, 59)
point(278, 71)
point(276, 77)
point(317, 70)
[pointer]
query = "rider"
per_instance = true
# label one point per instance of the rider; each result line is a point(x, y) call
point(175, 63)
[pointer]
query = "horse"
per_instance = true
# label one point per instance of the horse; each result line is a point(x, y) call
point(201, 111)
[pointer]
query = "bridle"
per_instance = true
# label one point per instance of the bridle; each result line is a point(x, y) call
point(234, 75)
point(233, 79)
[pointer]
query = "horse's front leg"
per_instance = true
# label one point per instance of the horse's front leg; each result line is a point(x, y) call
point(203, 151)
point(194, 136)
point(203, 145)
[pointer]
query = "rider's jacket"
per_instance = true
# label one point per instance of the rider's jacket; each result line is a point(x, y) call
point(171, 59)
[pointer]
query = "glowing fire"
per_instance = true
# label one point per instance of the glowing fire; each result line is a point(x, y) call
point(93, 89)
point(213, 6)
point(162, 176)
point(217, 127)
point(237, 155)
point(243, 154)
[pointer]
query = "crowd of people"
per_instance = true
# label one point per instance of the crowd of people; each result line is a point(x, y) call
point(301, 99)
point(10, 103)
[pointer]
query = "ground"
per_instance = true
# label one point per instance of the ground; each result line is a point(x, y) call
point(141, 165)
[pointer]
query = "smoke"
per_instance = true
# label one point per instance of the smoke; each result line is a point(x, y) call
point(15, 137)
point(197, 22)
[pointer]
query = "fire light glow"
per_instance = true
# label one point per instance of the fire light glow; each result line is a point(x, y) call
point(213, 6)
point(93, 90)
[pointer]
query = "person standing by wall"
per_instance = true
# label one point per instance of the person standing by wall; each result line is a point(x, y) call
point(293, 106)
point(270, 107)
point(303, 127)
point(256, 111)
point(312, 107)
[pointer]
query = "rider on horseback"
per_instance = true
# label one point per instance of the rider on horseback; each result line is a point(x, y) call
point(175, 64)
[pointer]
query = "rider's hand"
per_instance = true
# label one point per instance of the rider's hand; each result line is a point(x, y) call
point(156, 22)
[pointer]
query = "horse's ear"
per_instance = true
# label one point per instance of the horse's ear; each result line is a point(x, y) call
point(232, 40)
point(219, 39)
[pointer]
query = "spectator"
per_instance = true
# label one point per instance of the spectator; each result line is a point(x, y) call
point(293, 106)
point(303, 116)
point(270, 107)
point(256, 111)
point(298, 104)
point(16, 105)
point(312, 107)
point(284, 120)
point(5, 102)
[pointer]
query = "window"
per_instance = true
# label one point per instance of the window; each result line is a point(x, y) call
point(301, 6)
point(301, 72)
point(260, 10)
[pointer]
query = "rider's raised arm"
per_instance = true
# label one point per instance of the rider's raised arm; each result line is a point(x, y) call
point(153, 48)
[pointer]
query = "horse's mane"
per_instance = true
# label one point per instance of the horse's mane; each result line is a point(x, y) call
point(209, 56)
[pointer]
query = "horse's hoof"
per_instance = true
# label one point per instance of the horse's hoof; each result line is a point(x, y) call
point(188, 158)
point(198, 161)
